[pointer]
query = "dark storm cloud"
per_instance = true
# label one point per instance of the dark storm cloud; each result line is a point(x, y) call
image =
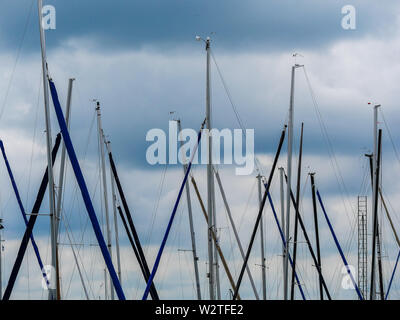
point(238, 25)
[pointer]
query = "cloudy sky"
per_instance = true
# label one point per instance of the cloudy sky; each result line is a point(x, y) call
point(141, 61)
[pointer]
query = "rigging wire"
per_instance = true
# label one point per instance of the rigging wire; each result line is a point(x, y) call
point(390, 136)
point(156, 205)
point(16, 60)
point(33, 141)
point(75, 254)
point(238, 118)
point(336, 169)
point(30, 175)
point(73, 199)
point(154, 215)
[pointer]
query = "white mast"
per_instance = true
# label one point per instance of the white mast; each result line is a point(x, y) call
point(61, 178)
point(210, 203)
point(114, 198)
point(210, 180)
point(53, 221)
point(103, 171)
point(282, 191)
point(62, 163)
point(374, 160)
point(289, 174)
point(264, 283)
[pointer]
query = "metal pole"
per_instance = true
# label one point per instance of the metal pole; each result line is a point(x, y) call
point(375, 221)
point(264, 283)
point(228, 210)
point(103, 174)
point(114, 202)
point(53, 222)
point(61, 182)
point(314, 201)
point(296, 222)
point(63, 152)
point(282, 191)
point(379, 254)
point(378, 244)
point(192, 233)
point(210, 180)
point(289, 174)
point(375, 135)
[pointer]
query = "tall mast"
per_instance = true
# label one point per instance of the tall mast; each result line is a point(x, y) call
point(192, 233)
point(114, 202)
point(53, 222)
point(375, 234)
point(61, 182)
point(105, 198)
point(263, 276)
point(289, 175)
point(296, 223)
point(210, 179)
point(314, 201)
point(374, 198)
point(282, 193)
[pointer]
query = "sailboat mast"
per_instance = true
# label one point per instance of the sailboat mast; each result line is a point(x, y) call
point(263, 276)
point(191, 227)
point(114, 202)
point(289, 177)
point(282, 194)
point(374, 197)
point(104, 179)
point(210, 180)
point(375, 231)
point(314, 202)
point(52, 291)
point(296, 222)
point(61, 182)
point(63, 153)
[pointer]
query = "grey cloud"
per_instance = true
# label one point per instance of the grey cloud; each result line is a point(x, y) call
point(238, 25)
